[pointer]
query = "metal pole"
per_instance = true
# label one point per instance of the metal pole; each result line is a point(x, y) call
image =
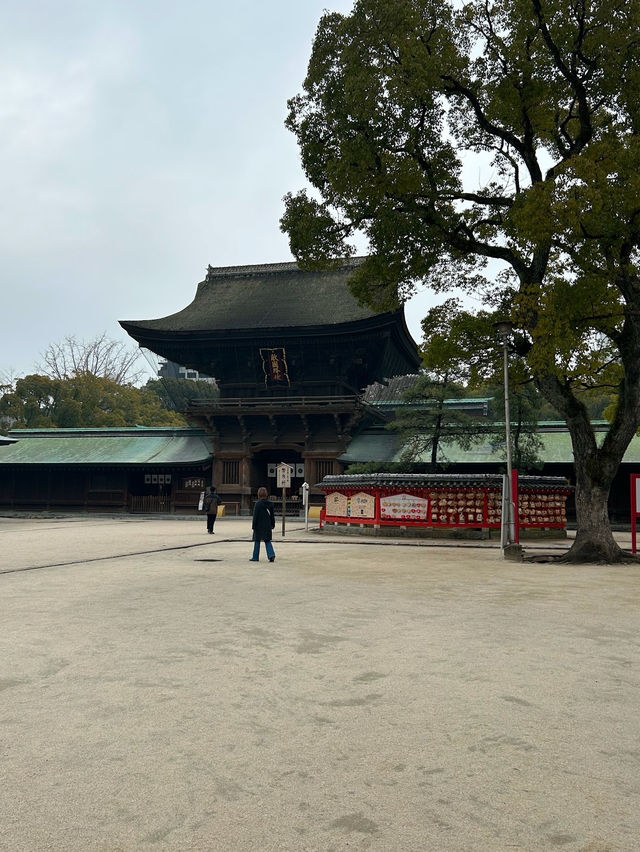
point(305, 501)
point(511, 526)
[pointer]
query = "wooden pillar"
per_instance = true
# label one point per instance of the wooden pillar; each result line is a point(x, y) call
point(311, 471)
point(173, 485)
point(245, 484)
point(216, 471)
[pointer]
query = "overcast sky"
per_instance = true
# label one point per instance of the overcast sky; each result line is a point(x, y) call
point(141, 140)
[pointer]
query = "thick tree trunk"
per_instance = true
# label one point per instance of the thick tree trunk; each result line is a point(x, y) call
point(436, 441)
point(595, 468)
point(594, 538)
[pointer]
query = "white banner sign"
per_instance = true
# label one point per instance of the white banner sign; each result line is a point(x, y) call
point(284, 475)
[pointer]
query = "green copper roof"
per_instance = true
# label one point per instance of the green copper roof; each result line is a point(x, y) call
point(108, 447)
point(380, 445)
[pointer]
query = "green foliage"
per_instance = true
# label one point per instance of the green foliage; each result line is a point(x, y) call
point(84, 400)
point(310, 226)
point(175, 394)
point(401, 96)
point(453, 355)
point(383, 467)
point(460, 346)
point(429, 419)
point(525, 403)
point(394, 102)
point(461, 354)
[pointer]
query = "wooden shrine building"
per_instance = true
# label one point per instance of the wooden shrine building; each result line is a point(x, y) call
point(292, 353)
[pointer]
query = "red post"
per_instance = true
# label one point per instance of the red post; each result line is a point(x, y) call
point(634, 511)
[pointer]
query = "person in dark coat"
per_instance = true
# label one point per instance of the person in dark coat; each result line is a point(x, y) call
point(210, 506)
point(264, 520)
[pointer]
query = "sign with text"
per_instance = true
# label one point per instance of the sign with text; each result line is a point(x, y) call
point(274, 366)
point(283, 475)
point(194, 483)
point(362, 505)
point(336, 504)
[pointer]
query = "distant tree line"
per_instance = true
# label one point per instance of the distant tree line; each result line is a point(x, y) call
point(90, 384)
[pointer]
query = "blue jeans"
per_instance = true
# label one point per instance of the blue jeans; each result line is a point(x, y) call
point(256, 549)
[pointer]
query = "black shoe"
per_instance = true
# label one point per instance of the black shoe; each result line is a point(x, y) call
point(272, 559)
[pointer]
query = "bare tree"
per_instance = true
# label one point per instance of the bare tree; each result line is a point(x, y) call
point(7, 380)
point(102, 357)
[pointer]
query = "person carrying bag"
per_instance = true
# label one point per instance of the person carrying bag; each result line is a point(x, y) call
point(210, 505)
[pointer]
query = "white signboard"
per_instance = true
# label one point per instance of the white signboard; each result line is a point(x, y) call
point(284, 475)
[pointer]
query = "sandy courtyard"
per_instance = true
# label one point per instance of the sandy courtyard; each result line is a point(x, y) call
point(160, 692)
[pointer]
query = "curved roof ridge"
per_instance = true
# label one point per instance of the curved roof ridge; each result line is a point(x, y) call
point(272, 295)
point(273, 268)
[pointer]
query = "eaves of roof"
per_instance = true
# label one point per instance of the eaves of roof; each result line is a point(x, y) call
point(437, 480)
point(108, 449)
point(461, 404)
point(378, 445)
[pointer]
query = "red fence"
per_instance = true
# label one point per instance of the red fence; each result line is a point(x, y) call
point(442, 502)
point(635, 509)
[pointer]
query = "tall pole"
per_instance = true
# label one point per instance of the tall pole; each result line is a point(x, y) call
point(305, 503)
point(511, 531)
point(508, 533)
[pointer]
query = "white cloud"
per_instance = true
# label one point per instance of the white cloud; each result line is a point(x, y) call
point(140, 140)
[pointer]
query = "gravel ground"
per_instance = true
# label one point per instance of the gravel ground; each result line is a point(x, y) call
point(159, 691)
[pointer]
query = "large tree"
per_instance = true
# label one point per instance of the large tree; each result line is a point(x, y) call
point(461, 357)
point(456, 135)
point(176, 394)
point(101, 356)
point(84, 400)
point(427, 420)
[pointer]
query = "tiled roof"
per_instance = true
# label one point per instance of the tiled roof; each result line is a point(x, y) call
point(135, 446)
point(390, 394)
point(436, 480)
point(275, 295)
point(391, 391)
